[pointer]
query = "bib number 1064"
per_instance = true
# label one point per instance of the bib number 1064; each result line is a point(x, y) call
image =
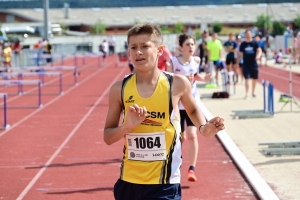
point(149, 142)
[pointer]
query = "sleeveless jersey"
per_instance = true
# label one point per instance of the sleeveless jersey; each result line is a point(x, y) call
point(152, 150)
point(186, 70)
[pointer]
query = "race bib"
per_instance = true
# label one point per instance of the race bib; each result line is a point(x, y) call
point(146, 146)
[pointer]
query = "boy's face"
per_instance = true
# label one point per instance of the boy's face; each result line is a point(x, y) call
point(143, 52)
point(188, 47)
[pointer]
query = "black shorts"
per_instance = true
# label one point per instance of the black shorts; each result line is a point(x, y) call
point(203, 57)
point(250, 71)
point(185, 118)
point(130, 191)
point(230, 60)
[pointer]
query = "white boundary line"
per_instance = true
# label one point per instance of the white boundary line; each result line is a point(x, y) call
point(257, 182)
point(50, 102)
point(41, 171)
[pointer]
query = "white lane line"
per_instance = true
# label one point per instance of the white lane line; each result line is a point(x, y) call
point(280, 77)
point(50, 102)
point(39, 174)
point(257, 182)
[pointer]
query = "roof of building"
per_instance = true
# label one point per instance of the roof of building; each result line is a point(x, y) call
point(127, 16)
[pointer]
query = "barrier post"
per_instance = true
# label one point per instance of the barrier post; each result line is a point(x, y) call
point(264, 95)
point(83, 59)
point(99, 61)
point(4, 111)
point(75, 60)
point(62, 59)
point(271, 99)
point(20, 86)
point(40, 94)
point(60, 83)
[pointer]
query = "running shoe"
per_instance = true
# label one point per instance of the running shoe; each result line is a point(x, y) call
point(192, 176)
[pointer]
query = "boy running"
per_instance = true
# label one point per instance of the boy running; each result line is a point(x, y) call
point(148, 100)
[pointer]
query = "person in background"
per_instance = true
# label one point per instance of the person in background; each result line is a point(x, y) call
point(111, 45)
point(238, 66)
point(103, 48)
point(262, 45)
point(17, 53)
point(214, 47)
point(164, 59)
point(7, 54)
point(1, 53)
point(188, 65)
point(202, 45)
point(230, 47)
point(251, 52)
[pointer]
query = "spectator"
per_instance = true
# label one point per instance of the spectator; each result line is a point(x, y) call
point(1, 53)
point(214, 48)
point(103, 48)
point(17, 53)
point(251, 52)
point(164, 59)
point(262, 45)
point(111, 45)
point(7, 53)
point(202, 45)
point(230, 47)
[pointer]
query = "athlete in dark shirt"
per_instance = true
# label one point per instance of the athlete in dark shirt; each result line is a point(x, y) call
point(251, 52)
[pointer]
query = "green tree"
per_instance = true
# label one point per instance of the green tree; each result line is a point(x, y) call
point(264, 22)
point(165, 29)
point(137, 21)
point(178, 28)
point(297, 21)
point(198, 34)
point(278, 28)
point(98, 28)
point(217, 27)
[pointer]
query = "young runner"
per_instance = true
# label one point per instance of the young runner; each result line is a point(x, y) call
point(148, 100)
point(188, 65)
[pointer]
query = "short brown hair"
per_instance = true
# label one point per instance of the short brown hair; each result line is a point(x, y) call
point(183, 37)
point(146, 28)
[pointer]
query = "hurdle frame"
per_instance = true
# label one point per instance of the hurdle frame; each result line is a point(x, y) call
point(268, 105)
point(50, 68)
point(26, 82)
point(5, 125)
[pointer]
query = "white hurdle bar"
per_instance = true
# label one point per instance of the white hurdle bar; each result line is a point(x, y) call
point(26, 82)
point(41, 75)
point(5, 125)
point(49, 68)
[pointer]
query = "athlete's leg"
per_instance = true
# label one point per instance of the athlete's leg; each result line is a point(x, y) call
point(191, 133)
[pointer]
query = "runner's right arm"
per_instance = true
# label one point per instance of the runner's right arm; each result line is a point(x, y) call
point(112, 131)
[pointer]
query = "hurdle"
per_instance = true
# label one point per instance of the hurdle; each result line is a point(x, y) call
point(25, 82)
point(45, 68)
point(84, 56)
point(5, 125)
point(268, 105)
point(41, 75)
point(226, 79)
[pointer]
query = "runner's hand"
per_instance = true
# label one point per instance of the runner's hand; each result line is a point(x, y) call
point(135, 116)
point(213, 126)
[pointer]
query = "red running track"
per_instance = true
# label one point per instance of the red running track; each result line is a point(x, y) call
point(280, 78)
point(58, 152)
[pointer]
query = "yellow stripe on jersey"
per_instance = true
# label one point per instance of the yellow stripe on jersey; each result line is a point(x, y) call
point(152, 150)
